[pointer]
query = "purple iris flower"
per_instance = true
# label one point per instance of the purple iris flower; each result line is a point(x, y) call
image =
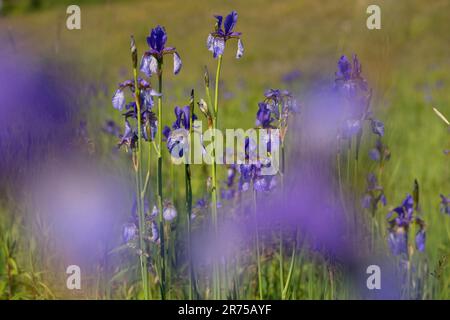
point(280, 101)
point(149, 125)
point(348, 70)
point(377, 127)
point(129, 137)
point(344, 69)
point(277, 95)
point(129, 232)
point(399, 227)
point(148, 118)
point(349, 78)
point(217, 39)
point(175, 140)
point(404, 211)
point(146, 94)
point(183, 118)
point(445, 204)
point(264, 116)
point(155, 231)
point(420, 240)
point(152, 59)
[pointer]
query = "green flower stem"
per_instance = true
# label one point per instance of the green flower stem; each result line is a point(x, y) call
point(188, 188)
point(162, 262)
point(216, 269)
point(139, 196)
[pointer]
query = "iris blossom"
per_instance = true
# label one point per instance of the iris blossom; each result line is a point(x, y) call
point(176, 139)
point(216, 40)
point(399, 228)
point(152, 59)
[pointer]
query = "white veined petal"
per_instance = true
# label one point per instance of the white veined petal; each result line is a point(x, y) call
point(148, 98)
point(118, 100)
point(155, 93)
point(210, 43)
point(240, 49)
point(153, 65)
point(169, 213)
point(176, 63)
point(145, 65)
point(219, 47)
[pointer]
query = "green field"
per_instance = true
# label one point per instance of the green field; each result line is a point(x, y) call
point(406, 64)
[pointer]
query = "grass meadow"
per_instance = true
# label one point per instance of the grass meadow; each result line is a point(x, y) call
point(68, 193)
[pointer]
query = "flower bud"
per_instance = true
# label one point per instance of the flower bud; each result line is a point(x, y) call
point(133, 52)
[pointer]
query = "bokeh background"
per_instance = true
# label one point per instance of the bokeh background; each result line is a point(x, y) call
point(57, 84)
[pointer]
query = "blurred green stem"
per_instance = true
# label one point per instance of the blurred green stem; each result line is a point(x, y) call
point(258, 257)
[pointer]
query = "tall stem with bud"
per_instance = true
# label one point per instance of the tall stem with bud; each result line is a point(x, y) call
point(162, 270)
point(138, 170)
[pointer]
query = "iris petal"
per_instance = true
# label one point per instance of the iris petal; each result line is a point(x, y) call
point(219, 47)
point(145, 65)
point(169, 213)
point(118, 100)
point(210, 43)
point(240, 49)
point(230, 22)
point(153, 65)
point(420, 240)
point(177, 64)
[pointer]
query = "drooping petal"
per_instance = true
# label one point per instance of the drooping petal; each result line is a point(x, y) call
point(144, 66)
point(383, 199)
point(210, 43)
point(230, 22)
point(176, 63)
point(155, 232)
point(166, 132)
point(240, 49)
point(186, 117)
point(118, 100)
point(420, 240)
point(169, 213)
point(149, 65)
point(147, 98)
point(129, 232)
point(155, 93)
point(218, 47)
point(153, 65)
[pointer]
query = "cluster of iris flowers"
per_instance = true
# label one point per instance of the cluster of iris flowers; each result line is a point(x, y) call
point(273, 113)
